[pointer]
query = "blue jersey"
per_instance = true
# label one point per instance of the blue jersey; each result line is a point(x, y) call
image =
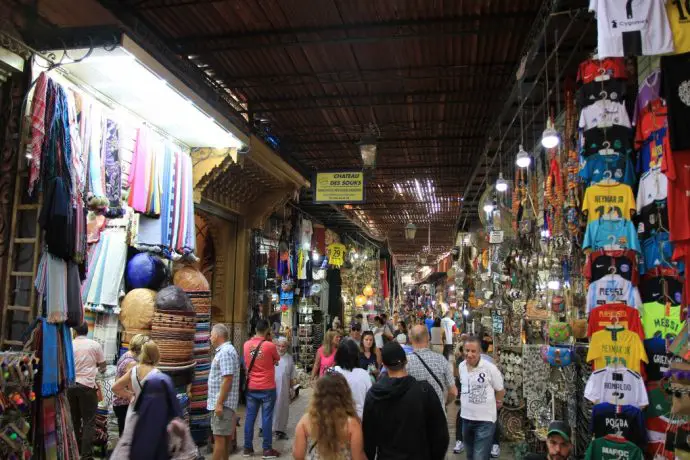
point(611, 235)
point(657, 251)
point(620, 167)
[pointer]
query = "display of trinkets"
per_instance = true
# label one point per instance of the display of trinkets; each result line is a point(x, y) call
point(17, 372)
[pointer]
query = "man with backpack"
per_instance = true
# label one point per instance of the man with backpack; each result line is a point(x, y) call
point(260, 356)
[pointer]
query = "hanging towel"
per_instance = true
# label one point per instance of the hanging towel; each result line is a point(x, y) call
point(49, 415)
point(95, 180)
point(75, 307)
point(49, 360)
point(56, 289)
point(68, 355)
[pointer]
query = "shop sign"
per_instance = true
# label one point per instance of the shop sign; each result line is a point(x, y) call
point(339, 187)
point(496, 237)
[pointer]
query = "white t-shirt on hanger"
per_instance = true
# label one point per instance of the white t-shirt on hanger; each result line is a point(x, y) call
point(604, 113)
point(618, 386)
point(612, 289)
point(653, 187)
point(632, 27)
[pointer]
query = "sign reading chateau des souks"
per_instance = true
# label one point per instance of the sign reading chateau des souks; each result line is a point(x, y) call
point(339, 187)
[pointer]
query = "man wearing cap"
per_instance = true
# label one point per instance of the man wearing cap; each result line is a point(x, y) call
point(558, 443)
point(355, 333)
point(403, 418)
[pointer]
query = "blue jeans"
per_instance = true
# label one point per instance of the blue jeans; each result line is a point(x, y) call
point(267, 400)
point(478, 438)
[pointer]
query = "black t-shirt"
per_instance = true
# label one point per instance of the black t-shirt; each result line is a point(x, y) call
point(651, 290)
point(589, 93)
point(618, 136)
point(611, 419)
point(675, 88)
point(652, 218)
point(536, 457)
point(659, 359)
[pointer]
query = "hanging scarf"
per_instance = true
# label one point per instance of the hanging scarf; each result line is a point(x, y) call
point(49, 359)
point(38, 128)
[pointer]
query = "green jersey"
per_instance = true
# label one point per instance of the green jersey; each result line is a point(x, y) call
point(605, 449)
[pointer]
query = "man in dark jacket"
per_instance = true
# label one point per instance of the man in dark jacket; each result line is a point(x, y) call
point(403, 418)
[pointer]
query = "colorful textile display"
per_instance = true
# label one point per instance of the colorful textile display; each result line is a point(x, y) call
point(200, 418)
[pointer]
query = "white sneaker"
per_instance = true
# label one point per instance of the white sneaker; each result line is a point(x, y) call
point(495, 451)
point(458, 447)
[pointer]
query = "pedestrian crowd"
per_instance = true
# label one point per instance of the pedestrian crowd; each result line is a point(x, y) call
point(369, 401)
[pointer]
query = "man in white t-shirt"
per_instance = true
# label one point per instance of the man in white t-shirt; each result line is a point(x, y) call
point(481, 395)
point(448, 325)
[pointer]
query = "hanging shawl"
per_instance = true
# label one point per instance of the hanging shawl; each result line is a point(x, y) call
point(38, 128)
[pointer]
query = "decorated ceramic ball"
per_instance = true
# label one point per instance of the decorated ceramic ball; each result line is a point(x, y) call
point(145, 271)
point(190, 279)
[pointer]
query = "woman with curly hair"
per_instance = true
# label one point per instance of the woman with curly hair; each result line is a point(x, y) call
point(330, 430)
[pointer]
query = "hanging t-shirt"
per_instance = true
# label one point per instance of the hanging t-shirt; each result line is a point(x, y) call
point(647, 92)
point(675, 88)
point(651, 219)
point(676, 166)
point(653, 185)
point(305, 233)
point(652, 289)
point(659, 404)
point(606, 315)
point(612, 289)
point(626, 350)
point(617, 138)
point(611, 235)
point(659, 359)
point(678, 12)
point(632, 27)
point(604, 113)
point(660, 321)
point(618, 166)
point(599, 264)
point(626, 421)
point(616, 385)
point(608, 449)
point(650, 153)
point(613, 89)
point(336, 254)
point(599, 70)
point(657, 251)
point(603, 201)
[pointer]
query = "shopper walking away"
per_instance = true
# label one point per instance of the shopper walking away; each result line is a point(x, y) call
point(448, 326)
point(325, 355)
point(124, 365)
point(223, 393)
point(347, 364)
point(403, 419)
point(429, 322)
point(155, 428)
point(285, 379)
point(558, 443)
point(83, 395)
point(436, 333)
point(261, 356)
point(481, 396)
point(431, 367)
point(330, 429)
point(370, 355)
point(129, 385)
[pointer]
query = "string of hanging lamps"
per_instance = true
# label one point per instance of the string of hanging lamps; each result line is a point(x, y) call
point(501, 183)
point(549, 138)
point(522, 160)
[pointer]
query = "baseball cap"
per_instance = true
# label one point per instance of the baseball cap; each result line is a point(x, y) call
point(393, 356)
point(560, 428)
point(356, 327)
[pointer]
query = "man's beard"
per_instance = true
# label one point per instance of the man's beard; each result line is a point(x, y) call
point(557, 457)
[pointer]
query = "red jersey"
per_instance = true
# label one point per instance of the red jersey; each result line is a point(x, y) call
point(604, 315)
point(676, 166)
point(653, 117)
point(589, 70)
point(599, 263)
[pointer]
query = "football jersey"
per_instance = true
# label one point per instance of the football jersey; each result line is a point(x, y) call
point(618, 386)
point(659, 359)
point(613, 89)
point(611, 235)
point(599, 70)
point(609, 449)
point(600, 262)
point(626, 421)
point(632, 27)
point(653, 185)
point(652, 151)
point(606, 315)
point(659, 405)
point(603, 201)
point(652, 289)
point(626, 350)
point(676, 165)
point(658, 322)
point(657, 251)
point(618, 137)
point(612, 289)
point(619, 167)
point(604, 113)
point(648, 90)
point(651, 219)
point(678, 12)
point(653, 117)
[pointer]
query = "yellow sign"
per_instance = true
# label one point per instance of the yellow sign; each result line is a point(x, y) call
point(339, 187)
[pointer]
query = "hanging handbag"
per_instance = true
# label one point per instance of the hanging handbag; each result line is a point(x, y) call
point(579, 328)
point(559, 331)
point(557, 356)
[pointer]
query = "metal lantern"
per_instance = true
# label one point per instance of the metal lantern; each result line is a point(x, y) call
point(367, 148)
point(410, 231)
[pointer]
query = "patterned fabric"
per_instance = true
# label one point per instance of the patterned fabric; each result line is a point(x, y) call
point(440, 367)
point(124, 361)
point(111, 158)
point(38, 125)
point(226, 362)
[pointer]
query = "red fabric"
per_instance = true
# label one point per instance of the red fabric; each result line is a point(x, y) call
point(263, 373)
point(590, 69)
point(652, 118)
point(319, 239)
point(384, 279)
point(603, 316)
point(676, 166)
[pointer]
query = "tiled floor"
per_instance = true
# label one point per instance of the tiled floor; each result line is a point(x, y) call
point(297, 409)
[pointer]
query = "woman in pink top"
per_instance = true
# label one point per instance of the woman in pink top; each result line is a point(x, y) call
point(325, 355)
